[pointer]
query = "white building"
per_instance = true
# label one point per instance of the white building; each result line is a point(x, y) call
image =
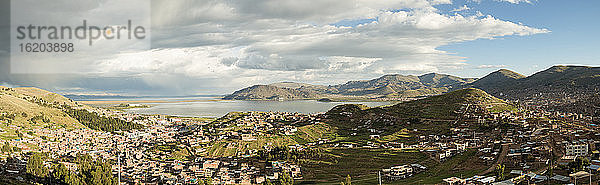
point(576, 149)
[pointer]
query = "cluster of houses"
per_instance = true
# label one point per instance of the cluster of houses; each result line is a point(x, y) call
point(177, 150)
point(402, 171)
point(540, 147)
point(151, 155)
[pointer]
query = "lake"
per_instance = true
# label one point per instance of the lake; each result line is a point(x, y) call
point(217, 108)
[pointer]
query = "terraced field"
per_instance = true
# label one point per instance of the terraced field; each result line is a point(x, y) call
point(362, 166)
point(305, 134)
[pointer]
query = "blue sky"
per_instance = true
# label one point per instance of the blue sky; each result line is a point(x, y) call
point(573, 38)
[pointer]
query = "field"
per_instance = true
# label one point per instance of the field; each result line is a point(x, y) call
point(305, 134)
point(465, 165)
point(362, 165)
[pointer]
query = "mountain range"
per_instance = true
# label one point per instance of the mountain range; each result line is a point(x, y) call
point(555, 79)
point(387, 86)
point(565, 88)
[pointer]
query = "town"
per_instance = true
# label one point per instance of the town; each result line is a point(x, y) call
point(534, 146)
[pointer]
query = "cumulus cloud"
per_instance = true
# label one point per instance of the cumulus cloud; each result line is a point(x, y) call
point(490, 66)
point(516, 1)
point(460, 9)
point(229, 44)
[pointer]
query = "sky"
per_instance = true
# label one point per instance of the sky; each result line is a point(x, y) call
point(217, 47)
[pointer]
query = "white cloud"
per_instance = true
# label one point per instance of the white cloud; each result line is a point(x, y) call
point(230, 44)
point(509, 1)
point(516, 1)
point(277, 44)
point(462, 8)
point(490, 66)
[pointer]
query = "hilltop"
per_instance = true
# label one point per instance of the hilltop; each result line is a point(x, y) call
point(24, 110)
point(497, 79)
point(387, 86)
point(270, 92)
point(435, 112)
point(575, 88)
point(30, 110)
point(570, 88)
point(390, 84)
point(44, 95)
point(552, 79)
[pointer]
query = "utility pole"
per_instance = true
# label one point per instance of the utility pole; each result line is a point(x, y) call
point(379, 176)
point(119, 161)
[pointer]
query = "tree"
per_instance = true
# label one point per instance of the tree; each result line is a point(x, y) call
point(286, 179)
point(500, 171)
point(348, 181)
point(579, 164)
point(208, 181)
point(94, 121)
point(102, 173)
point(6, 148)
point(267, 182)
point(60, 172)
point(94, 171)
point(35, 166)
point(550, 169)
point(74, 179)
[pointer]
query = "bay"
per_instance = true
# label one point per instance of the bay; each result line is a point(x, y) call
point(218, 108)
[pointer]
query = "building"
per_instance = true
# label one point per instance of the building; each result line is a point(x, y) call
point(398, 172)
point(453, 181)
point(576, 149)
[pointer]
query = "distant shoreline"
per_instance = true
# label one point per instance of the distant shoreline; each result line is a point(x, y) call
point(108, 102)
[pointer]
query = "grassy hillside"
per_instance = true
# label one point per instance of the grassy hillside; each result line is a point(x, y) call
point(270, 92)
point(571, 88)
point(45, 95)
point(447, 106)
point(305, 134)
point(22, 113)
point(430, 115)
point(362, 165)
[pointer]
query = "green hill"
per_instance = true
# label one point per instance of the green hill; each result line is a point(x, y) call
point(25, 111)
point(21, 111)
point(44, 95)
point(270, 92)
point(435, 112)
point(555, 78)
point(497, 80)
point(571, 88)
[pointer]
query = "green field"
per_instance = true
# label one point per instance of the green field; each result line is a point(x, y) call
point(305, 134)
point(362, 165)
point(465, 165)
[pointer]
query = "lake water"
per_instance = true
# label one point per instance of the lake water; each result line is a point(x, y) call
point(217, 108)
